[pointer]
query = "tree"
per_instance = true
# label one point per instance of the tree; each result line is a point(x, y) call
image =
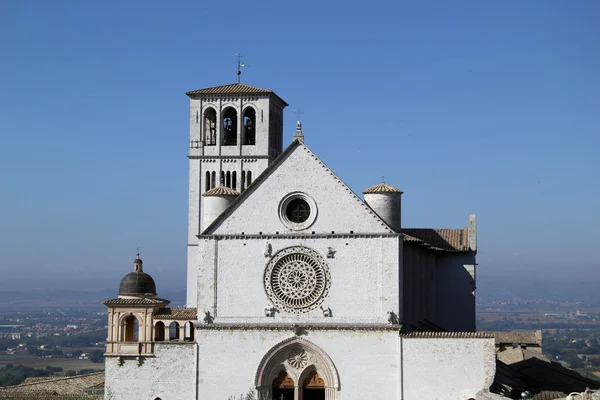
point(97, 356)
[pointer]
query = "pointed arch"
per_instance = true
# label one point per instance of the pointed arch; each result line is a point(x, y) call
point(275, 360)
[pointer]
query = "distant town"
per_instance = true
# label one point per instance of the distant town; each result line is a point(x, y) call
point(39, 337)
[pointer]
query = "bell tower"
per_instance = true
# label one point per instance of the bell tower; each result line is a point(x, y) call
point(236, 131)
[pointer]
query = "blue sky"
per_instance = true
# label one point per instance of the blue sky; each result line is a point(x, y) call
point(483, 107)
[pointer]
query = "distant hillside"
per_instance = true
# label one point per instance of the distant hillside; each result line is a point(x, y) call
point(50, 299)
point(491, 288)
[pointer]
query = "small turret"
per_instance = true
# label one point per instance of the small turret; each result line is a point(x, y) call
point(215, 202)
point(386, 201)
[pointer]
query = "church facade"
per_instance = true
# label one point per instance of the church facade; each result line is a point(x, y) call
point(297, 288)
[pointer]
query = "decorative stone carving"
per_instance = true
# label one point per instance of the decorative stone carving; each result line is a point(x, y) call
point(326, 311)
point(270, 310)
point(268, 249)
point(297, 279)
point(208, 319)
point(392, 317)
point(298, 358)
point(330, 252)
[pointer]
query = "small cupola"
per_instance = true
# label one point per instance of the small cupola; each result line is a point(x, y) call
point(216, 201)
point(137, 283)
point(386, 201)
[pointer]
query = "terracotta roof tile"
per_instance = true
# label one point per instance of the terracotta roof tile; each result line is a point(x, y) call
point(524, 337)
point(233, 89)
point(444, 239)
point(382, 188)
point(144, 301)
point(220, 191)
point(188, 314)
point(54, 386)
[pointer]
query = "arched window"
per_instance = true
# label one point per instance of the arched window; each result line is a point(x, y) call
point(210, 127)
point(234, 180)
point(207, 183)
point(249, 126)
point(248, 178)
point(228, 179)
point(130, 329)
point(159, 331)
point(222, 179)
point(283, 386)
point(230, 123)
point(189, 331)
point(213, 180)
point(174, 331)
point(313, 387)
point(243, 180)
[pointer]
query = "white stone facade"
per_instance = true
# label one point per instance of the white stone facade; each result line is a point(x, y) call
point(302, 290)
point(169, 375)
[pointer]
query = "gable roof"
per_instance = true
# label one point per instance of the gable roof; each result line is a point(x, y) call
point(233, 89)
point(456, 240)
point(273, 166)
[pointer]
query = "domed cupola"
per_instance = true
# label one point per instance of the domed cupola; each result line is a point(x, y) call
point(137, 283)
point(385, 200)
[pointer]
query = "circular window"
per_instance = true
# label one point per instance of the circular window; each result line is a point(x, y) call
point(297, 279)
point(297, 211)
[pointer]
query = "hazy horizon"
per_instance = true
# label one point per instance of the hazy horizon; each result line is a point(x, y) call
point(468, 107)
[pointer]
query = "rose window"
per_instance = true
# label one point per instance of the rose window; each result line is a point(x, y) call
point(297, 279)
point(298, 358)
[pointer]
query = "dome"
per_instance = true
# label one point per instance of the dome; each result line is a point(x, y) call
point(138, 282)
point(221, 191)
point(382, 188)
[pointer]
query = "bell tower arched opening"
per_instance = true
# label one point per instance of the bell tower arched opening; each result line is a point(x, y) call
point(210, 127)
point(230, 127)
point(249, 126)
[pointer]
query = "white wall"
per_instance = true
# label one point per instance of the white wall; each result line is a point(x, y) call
point(447, 368)
point(367, 362)
point(364, 278)
point(171, 375)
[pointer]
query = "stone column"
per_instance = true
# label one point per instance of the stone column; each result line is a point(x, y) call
point(182, 331)
point(329, 393)
point(167, 338)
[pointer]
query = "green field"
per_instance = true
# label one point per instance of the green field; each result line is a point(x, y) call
point(41, 363)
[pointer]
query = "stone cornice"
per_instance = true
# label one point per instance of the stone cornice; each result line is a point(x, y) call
point(233, 157)
point(448, 335)
point(298, 328)
point(303, 236)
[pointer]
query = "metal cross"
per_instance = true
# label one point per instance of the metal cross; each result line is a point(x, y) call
point(298, 113)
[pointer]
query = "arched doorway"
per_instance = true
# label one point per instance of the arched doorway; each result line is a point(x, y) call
point(313, 387)
point(296, 361)
point(283, 387)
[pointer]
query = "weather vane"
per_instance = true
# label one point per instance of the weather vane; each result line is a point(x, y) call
point(240, 64)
